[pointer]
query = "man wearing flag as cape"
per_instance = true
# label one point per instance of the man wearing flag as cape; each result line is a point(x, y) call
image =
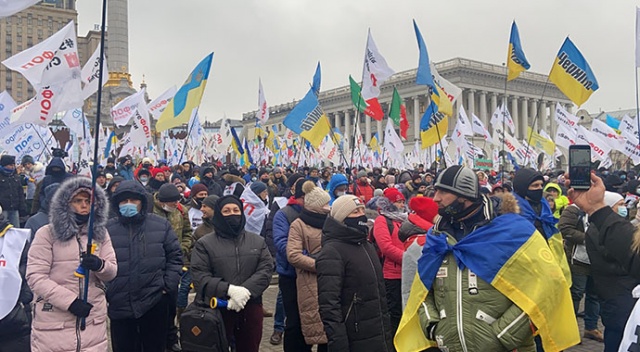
point(486, 281)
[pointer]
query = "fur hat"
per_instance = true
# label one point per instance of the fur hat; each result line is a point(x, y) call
point(197, 188)
point(459, 180)
point(168, 192)
point(345, 205)
point(424, 207)
point(393, 194)
point(314, 197)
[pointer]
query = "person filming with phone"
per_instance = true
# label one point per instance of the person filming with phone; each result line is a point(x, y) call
point(613, 246)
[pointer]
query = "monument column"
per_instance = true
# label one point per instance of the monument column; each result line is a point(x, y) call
point(471, 102)
point(483, 108)
point(118, 47)
point(416, 117)
point(525, 117)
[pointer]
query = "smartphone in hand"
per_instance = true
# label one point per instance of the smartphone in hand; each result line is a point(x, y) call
point(580, 166)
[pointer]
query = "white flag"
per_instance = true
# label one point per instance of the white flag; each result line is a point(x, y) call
point(196, 131)
point(629, 338)
point(452, 91)
point(463, 124)
point(6, 105)
point(565, 136)
point(392, 141)
point(222, 143)
point(77, 122)
point(478, 127)
point(632, 150)
point(127, 107)
point(376, 70)
point(510, 143)
point(599, 149)
point(263, 110)
point(500, 117)
point(565, 118)
point(628, 127)
point(607, 134)
point(11, 7)
point(91, 74)
point(157, 106)
point(32, 62)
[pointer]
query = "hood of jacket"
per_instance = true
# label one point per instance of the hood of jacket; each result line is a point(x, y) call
point(49, 191)
point(56, 162)
point(231, 179)
point(415, 225)
point(336, 181)
point(126, 188)
point(554, 186)
point(283, 179)
point(334, 230)
point(63, 219)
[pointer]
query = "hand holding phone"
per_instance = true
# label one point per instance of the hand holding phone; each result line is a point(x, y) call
point(580, 166)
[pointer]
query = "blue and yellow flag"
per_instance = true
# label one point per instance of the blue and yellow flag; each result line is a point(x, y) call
point(112, 141)
point(180, 108)
point(433, 126)
point(613, 122)
point(308, 120)
point(374, 143)
point(572, 75)
point(423, 75)
point(248, 159)
point(236, 144)
point(516, 61)
point(515, 259)
point(271, 142)
point(315, 86)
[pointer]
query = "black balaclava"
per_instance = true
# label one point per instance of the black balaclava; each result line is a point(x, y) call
point(232, 225)
point(522, 180)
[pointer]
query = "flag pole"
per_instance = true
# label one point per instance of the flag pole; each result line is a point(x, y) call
point(94, 171)
point(637, 105)
point(533, 125)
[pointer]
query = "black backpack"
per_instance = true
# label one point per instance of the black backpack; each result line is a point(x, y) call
point(372, 239)
point(202, 329)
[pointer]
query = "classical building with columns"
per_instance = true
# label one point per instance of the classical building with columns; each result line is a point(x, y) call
point(483, 90)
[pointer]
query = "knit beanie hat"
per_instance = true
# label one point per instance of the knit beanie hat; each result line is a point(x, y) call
point(523, 178)
point(143, 171)
point(314, 197)
point(27, 159)
point(210, 201)
point(146, 161)
point(293, 178)
point(378, 192)
point(362, 174)
point(345, 205)
point(7, 160)
point(168, 193)
point(155, 171)
point(258, 187)
point(459, 180)
point(393, 195)
point(611, 198)
point(197, 188)
point(424, 207)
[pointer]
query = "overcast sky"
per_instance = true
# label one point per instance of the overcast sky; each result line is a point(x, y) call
point(281, 41)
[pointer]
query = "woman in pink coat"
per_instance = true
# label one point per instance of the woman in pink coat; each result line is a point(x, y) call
point(56, 252)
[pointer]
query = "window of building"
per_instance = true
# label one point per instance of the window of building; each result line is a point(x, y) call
point(19, 94)
point(19, 47)
point(29, 20)
point(39, 22)
point(19, 20)
point(19, 84)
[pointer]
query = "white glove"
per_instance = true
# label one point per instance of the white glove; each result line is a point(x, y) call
point(232, 305)
point(239, 294)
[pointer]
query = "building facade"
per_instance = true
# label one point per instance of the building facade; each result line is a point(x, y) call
point(528, 98)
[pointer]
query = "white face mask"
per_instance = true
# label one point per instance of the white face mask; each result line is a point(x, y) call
point(168, 208)
point(340, 194)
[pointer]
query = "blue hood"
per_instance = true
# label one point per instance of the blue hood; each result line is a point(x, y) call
point(336, 181)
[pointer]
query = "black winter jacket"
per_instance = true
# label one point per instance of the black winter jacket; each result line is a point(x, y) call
point(12, 193)
point(149, 259)
point(351, 291)
point(614, 266)
point(218, 261)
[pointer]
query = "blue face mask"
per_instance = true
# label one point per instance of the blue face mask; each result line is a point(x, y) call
point(128, 210)
point(623, 211)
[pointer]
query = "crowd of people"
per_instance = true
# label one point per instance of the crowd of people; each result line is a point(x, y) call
point(347, 246)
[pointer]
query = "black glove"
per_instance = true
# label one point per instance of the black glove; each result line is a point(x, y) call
point(80, 308)
point(91, 262)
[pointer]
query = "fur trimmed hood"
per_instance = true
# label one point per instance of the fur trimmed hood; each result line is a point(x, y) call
point(61, 217)
point(230, 179)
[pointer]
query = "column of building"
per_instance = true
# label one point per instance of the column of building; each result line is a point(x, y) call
point(416, 117)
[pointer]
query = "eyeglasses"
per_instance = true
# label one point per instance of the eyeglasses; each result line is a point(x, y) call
point(78, 201)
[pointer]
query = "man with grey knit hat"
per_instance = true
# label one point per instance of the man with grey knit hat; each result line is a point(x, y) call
point(468, 299)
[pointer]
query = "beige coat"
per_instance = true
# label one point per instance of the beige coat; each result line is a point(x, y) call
point(303, 237)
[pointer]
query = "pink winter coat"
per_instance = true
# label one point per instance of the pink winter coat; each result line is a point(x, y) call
point(53, 258)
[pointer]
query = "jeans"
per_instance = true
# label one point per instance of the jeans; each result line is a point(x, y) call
point(278, 316)
point(183, 290)
point(13, 217)
point(583, 284)
point(615, 313)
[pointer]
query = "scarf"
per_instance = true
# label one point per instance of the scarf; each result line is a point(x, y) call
point(313, 219)
point(546, 217)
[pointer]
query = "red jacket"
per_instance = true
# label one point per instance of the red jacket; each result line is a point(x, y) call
point(364, 191)
point(391, 247)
